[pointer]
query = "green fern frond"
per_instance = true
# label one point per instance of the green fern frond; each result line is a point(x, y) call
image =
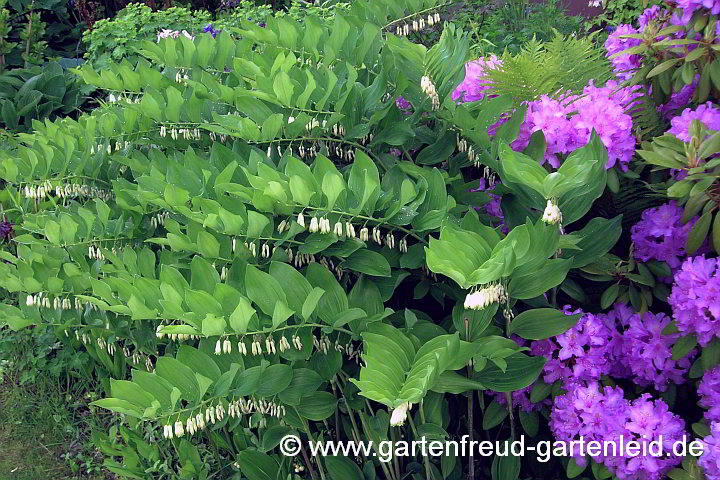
point(551, 68)
point(647, 122)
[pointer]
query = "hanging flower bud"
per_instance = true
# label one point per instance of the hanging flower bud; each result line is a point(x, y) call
point(313, 225)
point(485, 296)
point(301, 220)
point(552, 214)
point(179, 430)
point(338, 229)
point(364, 234)
point(218, 348)
point(399, 414)
point(403, 246)
point(227, 346)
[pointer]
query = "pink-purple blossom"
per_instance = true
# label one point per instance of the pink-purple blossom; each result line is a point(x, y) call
point(709, 393)
point(476, 83)
point(603, 110)
point(604, 415)
point(710, 459)
point(403, 105)
point(695, 298)
point(647, 352)
point(583, 353)
point(625, 64)
point(690, 6)
point(708, 114)
point(568, 123)
point(661, 234)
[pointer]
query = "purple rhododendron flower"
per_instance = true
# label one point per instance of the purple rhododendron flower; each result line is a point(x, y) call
point(647, 352)
point(678, 100)
point(521, 400)
point(604, 111)
point(476, 84)
point(695, 298)
point(708, 114)
point(624, 65)
point(492, 208)
point(583, 353)
point(661, 234)
point(709, 393)
point(551, 117)
point(604, 415)
point(710, 459)
point(567, 124)
point(648, 16)
point(690, 6)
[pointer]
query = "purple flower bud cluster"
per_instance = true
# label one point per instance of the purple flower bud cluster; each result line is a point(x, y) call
point(709, 393)
point(695, 298)
point(209, 29)
point(648, 16)
point(661, 234)
point(710, 459)
point(708, 114)
point(624, 65)
point(405, 106)
point(604, 415)
point(6, 229)
point(492, 208)
point(476, 83)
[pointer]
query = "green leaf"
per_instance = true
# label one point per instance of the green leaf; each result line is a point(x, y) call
point(241, 316)
point(682, 346)
point(542, 323)
point(257, 466)
point(573, 469)
point(213, 325)
point(318, 406)
point(494, 415)
point(548, 276)
point(283, 88)
point(368, 262)
point(343, 467)
point(698, 233)
point(263, 290)
point(520, 372)
point(311, 302)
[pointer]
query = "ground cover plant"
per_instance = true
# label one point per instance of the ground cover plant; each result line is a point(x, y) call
point(343, 226)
